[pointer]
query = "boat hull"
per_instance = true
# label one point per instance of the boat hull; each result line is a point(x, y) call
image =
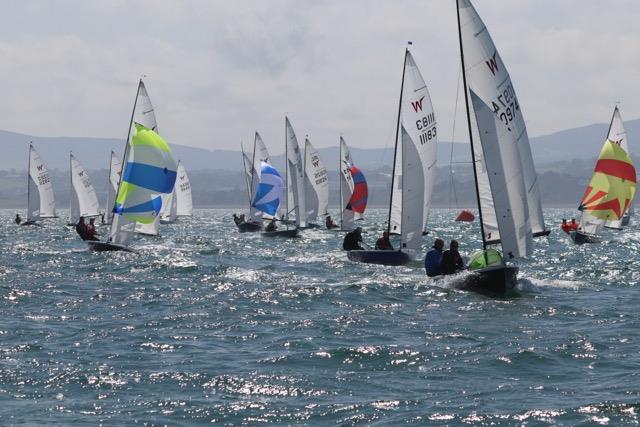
point(281, 233)
point(98, 246)
point(495, 280)
point(249, 227)
point(542, 233)
point(31, 223)
point(379, 257)
point(580, 238)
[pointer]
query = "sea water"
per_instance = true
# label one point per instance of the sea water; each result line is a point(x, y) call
point(206, 325)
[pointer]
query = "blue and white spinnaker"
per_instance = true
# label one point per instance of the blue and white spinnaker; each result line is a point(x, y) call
point(267, 198)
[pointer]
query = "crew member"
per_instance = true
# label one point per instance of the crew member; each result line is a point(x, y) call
point(451, 260)
point(433, 259)
point(329, 223)
point(383, 243)
point(352, 240)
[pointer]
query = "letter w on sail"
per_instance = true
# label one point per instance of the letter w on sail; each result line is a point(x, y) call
point(417, 105)
point(492, 64)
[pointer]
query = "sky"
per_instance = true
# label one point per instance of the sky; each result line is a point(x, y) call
point(217, 71)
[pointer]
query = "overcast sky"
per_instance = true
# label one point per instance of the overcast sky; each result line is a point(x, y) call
point(219, 70)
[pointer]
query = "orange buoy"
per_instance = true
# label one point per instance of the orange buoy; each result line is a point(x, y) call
point(465, 215)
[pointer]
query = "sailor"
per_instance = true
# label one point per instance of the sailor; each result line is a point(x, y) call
point(329, 223)
point(352, 240)
point(383, 243)
point(433, 258)
point(451, 260)
point(81, 228)
point(272, 225)
point(91, 230)
point(236, 219)
point(18, 219)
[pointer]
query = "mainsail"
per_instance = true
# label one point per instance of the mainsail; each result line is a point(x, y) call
point(419, 122)
point(169, 207)
point(252, 179)
point(417, 118)
point(611, 189)
point(84, 200)
point(149, 174)
point(497, 127)
point(295, 178)
point(40, 200)
point(316, 183)
point(115, 168)
point(182, 191)
point(618, 136)
point(267, 197)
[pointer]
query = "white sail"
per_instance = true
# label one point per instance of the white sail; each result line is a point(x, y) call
point(346, 187)
point(183, 196)
point(84, 200)
point(115, 168)
point(252, 179)
point(419, 122)
point(40, 200)
point(261, 152)
point(618, 135)
point(413, 203)
point(316, 183)
point(498, 135)
point(295, 177)
point(395, 225)
point(169, 207)
point(145, 115)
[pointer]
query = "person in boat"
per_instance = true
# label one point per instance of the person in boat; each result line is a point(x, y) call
point(433, 259)
point(451, 260)
point(383, 243)
point(272, 225)
point(329, 223)
point(18, 219)
point(352, 240)
point(237, 219)
point(91, 229)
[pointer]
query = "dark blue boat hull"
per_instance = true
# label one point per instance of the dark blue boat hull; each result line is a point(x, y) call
point(379, 257)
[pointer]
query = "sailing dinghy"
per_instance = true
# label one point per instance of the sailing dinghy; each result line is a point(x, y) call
point(295, 201)
point(498, 139)
point(268, 196)
point(148, 175)
point(83, 200)
point(353, 190)
point(40, 199)
point(252, 168)
point(316, 185)
point(414, 164)
point(610, 191)
point(182, 191)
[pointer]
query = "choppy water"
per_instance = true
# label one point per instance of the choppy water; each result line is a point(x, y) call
point(205, 325)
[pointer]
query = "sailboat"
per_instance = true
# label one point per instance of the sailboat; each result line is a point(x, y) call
point(183, 192)
point(115, 167)
point(618, 135)
point(353, 190)
point(316, 184)
point(267, 198)
point(179, 202)
point(414, 163)
point(148, 175)
point(40, 199)
point(83, 200)
point(295, 201)
point(498, 138)
point(610, 191)
point(252, 167)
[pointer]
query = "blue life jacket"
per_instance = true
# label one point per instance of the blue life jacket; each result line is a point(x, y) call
point(432, 262)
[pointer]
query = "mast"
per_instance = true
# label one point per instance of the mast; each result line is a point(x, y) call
point(611, 122)
point(71, 191)
point(395, 150)
point(126, 146)
point(466, 101)
point(286, 173)
point(28, 177)
point(106, 206)
point(340, 178)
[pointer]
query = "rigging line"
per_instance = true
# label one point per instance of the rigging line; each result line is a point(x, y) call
point(453, 132)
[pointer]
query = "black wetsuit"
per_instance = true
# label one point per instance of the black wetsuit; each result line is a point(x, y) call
point(352, 241)
point(451, 262)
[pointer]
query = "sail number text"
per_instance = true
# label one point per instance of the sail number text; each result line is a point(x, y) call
point(427, 125)
point(506, 105)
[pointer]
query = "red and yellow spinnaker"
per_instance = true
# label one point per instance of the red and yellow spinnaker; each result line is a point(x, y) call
point(612, 185)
